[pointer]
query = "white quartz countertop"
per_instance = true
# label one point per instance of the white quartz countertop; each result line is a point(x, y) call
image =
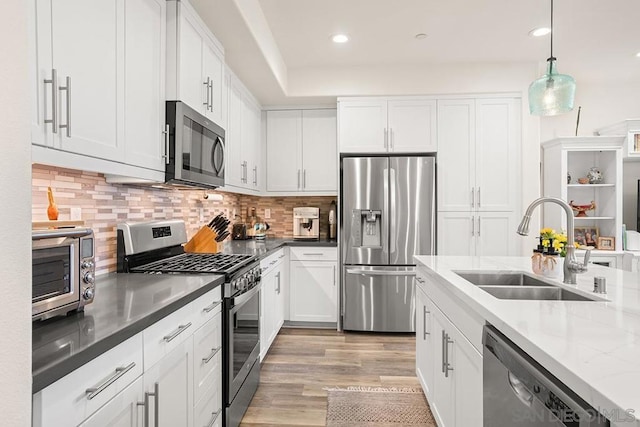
point(592, 347)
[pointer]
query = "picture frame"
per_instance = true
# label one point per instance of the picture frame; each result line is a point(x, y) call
point(606, 243)
point(586, 236)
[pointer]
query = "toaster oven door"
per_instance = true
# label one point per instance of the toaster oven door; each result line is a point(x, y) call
point(55, 283)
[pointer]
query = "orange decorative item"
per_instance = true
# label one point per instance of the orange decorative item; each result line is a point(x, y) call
point(582, 209)
point(52, 210)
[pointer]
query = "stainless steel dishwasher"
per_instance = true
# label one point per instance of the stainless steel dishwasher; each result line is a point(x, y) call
point(518, 391)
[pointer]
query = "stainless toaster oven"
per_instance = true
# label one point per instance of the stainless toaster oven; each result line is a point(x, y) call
point(63, 271)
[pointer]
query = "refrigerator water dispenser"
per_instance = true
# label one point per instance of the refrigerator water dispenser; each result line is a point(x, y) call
point(366, 228)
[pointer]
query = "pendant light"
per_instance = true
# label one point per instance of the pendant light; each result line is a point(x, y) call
point(553, 93)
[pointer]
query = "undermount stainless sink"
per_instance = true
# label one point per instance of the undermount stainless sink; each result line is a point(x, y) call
point(520, 286)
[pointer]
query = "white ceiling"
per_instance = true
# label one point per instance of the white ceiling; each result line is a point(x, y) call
point(594, 39)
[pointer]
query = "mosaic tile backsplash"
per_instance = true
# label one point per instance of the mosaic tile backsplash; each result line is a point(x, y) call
point(102, 205)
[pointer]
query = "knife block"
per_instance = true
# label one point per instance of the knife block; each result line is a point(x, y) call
point(203, 242)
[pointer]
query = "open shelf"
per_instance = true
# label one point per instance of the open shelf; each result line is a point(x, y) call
point(589, 185)
point(586, 218)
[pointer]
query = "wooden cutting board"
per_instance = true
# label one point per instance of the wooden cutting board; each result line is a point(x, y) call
point(35, 225)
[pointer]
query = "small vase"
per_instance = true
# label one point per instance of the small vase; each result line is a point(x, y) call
point(552, 266)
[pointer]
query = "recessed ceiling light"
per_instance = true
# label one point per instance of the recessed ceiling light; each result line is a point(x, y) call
point(638, 54)
point(420, 36)
point(340, 38)
point(539, 32)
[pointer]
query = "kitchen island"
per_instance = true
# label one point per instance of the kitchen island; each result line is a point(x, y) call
point(593, 347)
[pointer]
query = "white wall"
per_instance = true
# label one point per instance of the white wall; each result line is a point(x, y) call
point(15, 215)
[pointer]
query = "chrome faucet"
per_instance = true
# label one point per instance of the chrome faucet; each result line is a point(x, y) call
point(571, 264)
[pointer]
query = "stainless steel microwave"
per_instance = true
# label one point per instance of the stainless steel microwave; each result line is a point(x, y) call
point(196, 148)
point(63, 271)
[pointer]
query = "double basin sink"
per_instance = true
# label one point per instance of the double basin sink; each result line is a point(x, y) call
point(520, 286)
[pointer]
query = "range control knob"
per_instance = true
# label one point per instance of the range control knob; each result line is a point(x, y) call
point(88, 278)
point(244, 283)
point(88, 294)
point(86, 265)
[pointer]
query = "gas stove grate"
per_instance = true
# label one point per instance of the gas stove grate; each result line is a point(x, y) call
point(196, 263)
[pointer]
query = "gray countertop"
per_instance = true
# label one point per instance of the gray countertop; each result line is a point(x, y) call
point(124, 305)
point(252, 247)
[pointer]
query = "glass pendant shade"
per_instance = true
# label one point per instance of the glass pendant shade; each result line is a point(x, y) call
point(552, 94)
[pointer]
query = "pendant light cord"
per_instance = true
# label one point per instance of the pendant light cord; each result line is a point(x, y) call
point(552, 29)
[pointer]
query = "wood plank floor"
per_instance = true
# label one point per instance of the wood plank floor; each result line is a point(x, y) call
point(303, 361)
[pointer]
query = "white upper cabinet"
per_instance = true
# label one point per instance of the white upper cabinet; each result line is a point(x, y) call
point(412, 126)
point(195, 63)
point(301, 151)
point(478, 154)
point(144, 109)
point(97, 84)
point(362, 126)
point(243, 154)
point(393, 125)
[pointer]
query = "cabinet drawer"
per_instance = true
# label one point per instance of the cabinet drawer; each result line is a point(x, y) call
point(272, 261)
point(166, 334)
point(207, 356)
point(209, 409)
point(314, 253)
point(76, 396)
point(207, 307)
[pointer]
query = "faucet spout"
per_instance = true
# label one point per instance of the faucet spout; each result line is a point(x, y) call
point(571, 265)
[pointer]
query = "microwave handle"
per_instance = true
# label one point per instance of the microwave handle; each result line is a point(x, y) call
point(213, 157)
point(166, 144)
point(48, 234)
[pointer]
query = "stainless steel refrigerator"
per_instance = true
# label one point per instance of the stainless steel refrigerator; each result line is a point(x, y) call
point(387, 217)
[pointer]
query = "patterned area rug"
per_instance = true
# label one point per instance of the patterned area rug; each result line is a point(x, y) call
point(377, 406)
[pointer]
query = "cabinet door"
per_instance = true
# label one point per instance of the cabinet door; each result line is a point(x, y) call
point(267, 294)
point(362, 126)
point(144, 108)
point(214, 71)
point(319, 157)
point(121, 411)
point(496, 233)
point(192, 87)
point(40, 70)
point(234, 167)
point(443, 400)
point(278, 306)
point(284, 150)
point(456, 233)
point(87, 49)
point(467, 380)
point(313, 291)
point(207, 357)
point(171, 380)
point(497, 154)
point(456, 155)
point(425, 357)
point(250, 122)
point(412, 126)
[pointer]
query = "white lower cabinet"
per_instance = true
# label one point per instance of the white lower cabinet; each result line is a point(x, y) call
point(448, 366)
point(313, 285)
point(170, 384)
point(476, 233)
point(168, 375)
point(124, 410)
point(272, 297)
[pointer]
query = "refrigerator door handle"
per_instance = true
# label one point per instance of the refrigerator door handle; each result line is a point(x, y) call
point(392, 211)
point(385, 210)
point(380, 272)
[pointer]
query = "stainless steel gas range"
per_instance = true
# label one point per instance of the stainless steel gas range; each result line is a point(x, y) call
point(156, 248)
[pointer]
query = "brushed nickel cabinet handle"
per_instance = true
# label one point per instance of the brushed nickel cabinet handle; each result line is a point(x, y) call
point(156, 407)
point(54, 100)
point(444, 349)
point(473, 226)
point(304, 178)
point(424, 323)
point(334, 275)
point(298, 178)
point(473, 197)
point(206, 85)
point(391, 138)
point(94, 391)
point(385, 138)
point(478, 196)
point(210, 90)
point(447, 366)
point(214, 416)
point(165, 132)
point(67, 88)
point(208, 309)
point(479, 223)
point(174, 334)
point(214, 351)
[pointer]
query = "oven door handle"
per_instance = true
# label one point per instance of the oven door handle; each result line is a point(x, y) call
point(48, 234)
point(244, 298)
